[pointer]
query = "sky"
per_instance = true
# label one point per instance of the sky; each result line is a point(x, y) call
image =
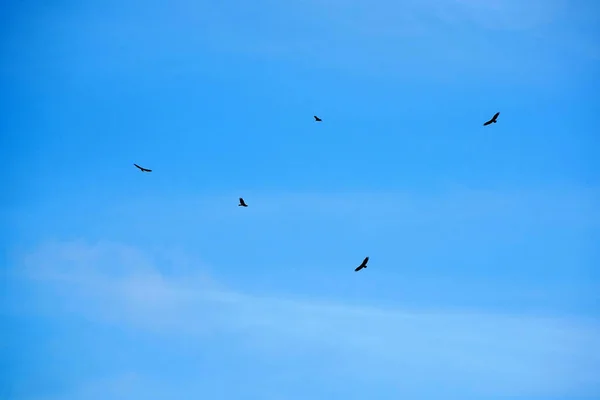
point(484, 272)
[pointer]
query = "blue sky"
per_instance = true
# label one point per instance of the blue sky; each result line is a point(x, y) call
point(483, 281)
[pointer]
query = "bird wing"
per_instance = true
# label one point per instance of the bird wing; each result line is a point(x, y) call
point(365, 261)
point(487, 122)
point(495, 116)
point(358, 268)
point(138, 166)
point(242, 201)
point(146, 170)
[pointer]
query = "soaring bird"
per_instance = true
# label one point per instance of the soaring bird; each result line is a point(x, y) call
point(143, 169)
point(363, 265)
point(242, 203)
point(317, 119)
point(494, 118)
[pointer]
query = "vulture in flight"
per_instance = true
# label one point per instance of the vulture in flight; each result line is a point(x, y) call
point(493, 120)
point(363, 265)
point(143, 169)
point(317, 119)
point(242, 203)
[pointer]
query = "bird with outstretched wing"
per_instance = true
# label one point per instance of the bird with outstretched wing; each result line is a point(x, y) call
point(242, 203)
point(317, 119)
point(493, 120)
point(143, 169)
point(362, 265)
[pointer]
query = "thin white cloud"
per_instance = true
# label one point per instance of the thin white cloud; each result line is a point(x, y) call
point(483, 353)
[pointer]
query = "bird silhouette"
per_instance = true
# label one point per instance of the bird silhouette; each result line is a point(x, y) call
point(317, 119)
point(143, 169)
point(363, 265)
point(493, 120)
point(242, 203)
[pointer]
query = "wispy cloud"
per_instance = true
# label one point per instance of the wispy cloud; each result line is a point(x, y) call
point(423, 243)
point(489, 354)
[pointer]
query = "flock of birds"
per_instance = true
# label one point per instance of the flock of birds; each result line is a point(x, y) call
point(493, 120)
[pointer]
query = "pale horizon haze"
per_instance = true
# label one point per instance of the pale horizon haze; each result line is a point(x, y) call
point(484, 274)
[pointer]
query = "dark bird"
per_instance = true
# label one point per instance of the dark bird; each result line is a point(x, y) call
point(494, 119)
point(317, 119)
point(242, 203)
point(143, 169)
point(363, 265)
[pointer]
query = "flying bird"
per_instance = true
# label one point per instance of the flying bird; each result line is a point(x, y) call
point(493, 120)
point(363, 265)
point(242, 203)
point(317, 119)
point(143, 169)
